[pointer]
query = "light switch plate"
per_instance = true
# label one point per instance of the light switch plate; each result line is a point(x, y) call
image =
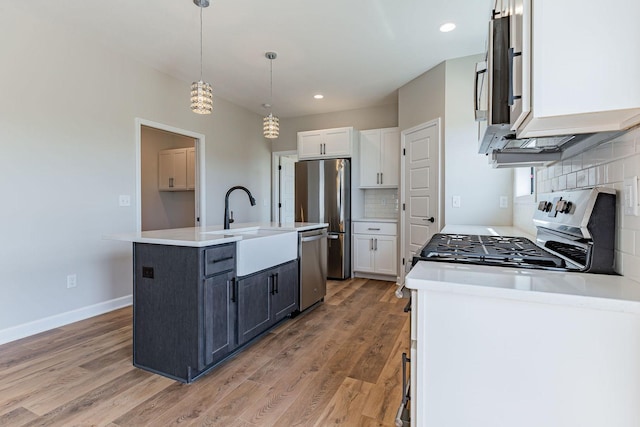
point(455, 201)
point(630, 193)
point(504, 202)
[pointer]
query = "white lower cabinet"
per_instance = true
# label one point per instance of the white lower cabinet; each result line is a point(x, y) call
point(375, 248)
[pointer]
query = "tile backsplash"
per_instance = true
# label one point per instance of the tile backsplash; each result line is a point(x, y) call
point(605, 165)
point(381, 203)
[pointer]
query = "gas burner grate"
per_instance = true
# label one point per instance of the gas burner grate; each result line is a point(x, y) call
point(489, 250)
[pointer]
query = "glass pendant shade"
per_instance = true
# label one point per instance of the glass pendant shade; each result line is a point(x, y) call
point(201, 97)
point(271, 126)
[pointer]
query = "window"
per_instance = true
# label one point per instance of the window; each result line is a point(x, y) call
point(524, 181)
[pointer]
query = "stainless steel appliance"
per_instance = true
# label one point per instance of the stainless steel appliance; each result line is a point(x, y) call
point(575, 233)
point(323, 194)
point(499, 101)
point(313, 266)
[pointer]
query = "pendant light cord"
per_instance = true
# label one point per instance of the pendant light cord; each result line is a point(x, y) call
point(270, 85)
point(200, 43)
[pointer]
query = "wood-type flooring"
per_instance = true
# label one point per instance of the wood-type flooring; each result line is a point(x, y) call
point(336, 364)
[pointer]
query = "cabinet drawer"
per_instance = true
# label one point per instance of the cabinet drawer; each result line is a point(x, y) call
point(386, 228)
point(219, 259)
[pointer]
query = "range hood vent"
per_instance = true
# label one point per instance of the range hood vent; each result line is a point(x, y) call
point(506, 150)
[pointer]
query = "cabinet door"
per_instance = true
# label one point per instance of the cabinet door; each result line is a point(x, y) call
point(172, 169)
point(386, 255)
point(370, 158)
point(180, 169)
point(254, 305)
point(337, 142)
point(165, 171)
point(363, 253)
point(219, 308)
point(285, 290)
point(310, 144)
point(389, 157)
point(191, 168)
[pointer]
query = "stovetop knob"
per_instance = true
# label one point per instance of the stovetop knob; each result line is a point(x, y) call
point(563, 206)
point(544, 206)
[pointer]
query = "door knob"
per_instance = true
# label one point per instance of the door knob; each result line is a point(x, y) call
point(432, 219)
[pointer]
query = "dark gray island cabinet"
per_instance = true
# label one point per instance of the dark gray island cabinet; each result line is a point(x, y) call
point(190, 311)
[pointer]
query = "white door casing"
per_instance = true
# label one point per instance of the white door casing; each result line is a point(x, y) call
point(421, 184)
point(287, 189)
point(200, 169)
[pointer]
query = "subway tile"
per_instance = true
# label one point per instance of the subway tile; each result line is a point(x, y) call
point(582, 178)
point(571, 180)
point(566, 166)
point(614, 171)
point(576, 163)
point(631, 166)
point(624, 146)
point(562, 182)
point(592, 176)
point(554, 184)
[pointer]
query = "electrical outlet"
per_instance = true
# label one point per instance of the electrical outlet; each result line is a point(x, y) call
point(456, 202)
point(630, 192)
point(72, 281)
point(124, 200)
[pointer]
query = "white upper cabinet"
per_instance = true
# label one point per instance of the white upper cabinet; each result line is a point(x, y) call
point(326, 143)
point(576, 67)
point(176, 169)
point(379, 158)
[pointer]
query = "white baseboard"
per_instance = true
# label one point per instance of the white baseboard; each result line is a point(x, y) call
point(31, 328)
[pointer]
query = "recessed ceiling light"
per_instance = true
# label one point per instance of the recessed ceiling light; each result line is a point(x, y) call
point(449, 26)
point(318, 96)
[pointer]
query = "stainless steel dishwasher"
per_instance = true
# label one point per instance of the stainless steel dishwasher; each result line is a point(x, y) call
point(313, 266)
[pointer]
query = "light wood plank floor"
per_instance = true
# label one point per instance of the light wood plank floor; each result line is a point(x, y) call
point(337, 364)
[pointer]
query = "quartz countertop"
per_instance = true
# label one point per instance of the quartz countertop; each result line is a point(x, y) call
point(392, 220)
point(211, 235)
point(596, 291)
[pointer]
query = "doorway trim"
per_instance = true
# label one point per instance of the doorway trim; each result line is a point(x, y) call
point(275, 181)
point(200, 192)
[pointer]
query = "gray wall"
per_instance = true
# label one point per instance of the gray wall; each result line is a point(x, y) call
point(361, 119)
point(467, 173)
point(446, 91)
point(67, 127)
point(422, 99)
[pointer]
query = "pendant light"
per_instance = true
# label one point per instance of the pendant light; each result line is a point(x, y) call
point(201, 92)
point(270, 124)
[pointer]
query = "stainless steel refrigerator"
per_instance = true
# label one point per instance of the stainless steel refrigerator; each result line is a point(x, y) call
point(323, 194)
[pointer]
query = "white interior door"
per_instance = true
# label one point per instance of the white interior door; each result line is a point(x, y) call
point(421, 182)
point(287, 189)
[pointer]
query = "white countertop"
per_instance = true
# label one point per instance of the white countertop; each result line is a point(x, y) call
point(211, 235)
point(393, 220)
point(597, 291)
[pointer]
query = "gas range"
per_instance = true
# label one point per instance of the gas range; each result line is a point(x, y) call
point(575, 232)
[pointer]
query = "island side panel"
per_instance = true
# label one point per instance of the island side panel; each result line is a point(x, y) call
point(166, 310)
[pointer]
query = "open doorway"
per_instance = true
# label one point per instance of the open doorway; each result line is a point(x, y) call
point(284, 180)
point(170, 177)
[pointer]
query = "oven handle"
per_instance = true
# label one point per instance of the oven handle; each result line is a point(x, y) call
point(402, 410)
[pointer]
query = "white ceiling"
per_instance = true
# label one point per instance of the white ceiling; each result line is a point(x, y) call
point(356, 52)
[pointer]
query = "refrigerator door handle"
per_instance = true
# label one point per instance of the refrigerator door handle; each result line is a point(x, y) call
point(333, 236)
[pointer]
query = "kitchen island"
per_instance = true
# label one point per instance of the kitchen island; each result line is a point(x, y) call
point(200, 294)
point(500, 346)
